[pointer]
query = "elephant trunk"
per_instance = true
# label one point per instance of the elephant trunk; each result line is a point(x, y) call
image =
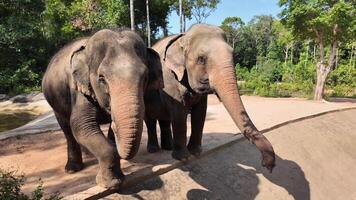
point(224, 83)
point(127, 111)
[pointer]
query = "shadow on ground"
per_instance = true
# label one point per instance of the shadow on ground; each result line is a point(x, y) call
point(233, 173)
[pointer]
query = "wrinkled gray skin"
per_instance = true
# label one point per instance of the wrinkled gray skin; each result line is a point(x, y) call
point(102, 79)
point(195, 64)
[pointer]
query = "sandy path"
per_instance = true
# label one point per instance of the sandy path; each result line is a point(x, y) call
point(44, 155)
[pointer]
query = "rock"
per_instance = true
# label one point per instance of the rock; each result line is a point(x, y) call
point(25, 98)
point(39, 96)
point(4, 97)
point(21, 98)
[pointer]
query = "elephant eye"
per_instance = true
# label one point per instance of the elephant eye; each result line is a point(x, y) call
point(201, 60)
point(102, 79)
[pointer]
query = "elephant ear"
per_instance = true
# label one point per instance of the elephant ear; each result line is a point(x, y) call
point(155, 77)
point(80, 71)
point(174, 56)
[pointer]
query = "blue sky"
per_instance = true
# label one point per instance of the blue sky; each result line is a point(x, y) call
point(245, 9)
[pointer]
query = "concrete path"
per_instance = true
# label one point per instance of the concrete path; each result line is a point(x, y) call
point(316, 160)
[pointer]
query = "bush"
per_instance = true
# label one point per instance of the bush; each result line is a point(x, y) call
point(275, 79)
point(10, 188)
point(342, 82)
point(23, 80)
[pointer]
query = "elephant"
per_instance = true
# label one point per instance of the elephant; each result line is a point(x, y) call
point(102, 79)
point(194, 64)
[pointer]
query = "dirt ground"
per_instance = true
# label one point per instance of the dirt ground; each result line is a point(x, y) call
point(43, 156)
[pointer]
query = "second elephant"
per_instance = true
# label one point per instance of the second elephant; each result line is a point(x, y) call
point(195, 64)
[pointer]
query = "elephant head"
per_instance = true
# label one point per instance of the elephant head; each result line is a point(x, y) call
point(114, 69)
point(204, 59)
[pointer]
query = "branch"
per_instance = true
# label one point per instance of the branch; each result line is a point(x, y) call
point(319, 36)
point(334, 45)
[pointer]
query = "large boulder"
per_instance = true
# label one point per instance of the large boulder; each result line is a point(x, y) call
point(4, 97)
point(39, 96)
point(21, 98)
point(25, 98)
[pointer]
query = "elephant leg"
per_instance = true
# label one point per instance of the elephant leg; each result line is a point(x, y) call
point(166, 134)
point(86, 152)
point(198, 115)
point(88, 133)
point(152, 143)
point(179, 126)
point(74, 153)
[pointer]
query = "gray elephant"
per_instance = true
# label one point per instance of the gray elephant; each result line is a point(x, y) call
point(195, 64)
point(102, 79)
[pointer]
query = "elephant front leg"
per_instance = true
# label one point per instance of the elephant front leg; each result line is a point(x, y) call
point(166, 134)
point(152, 143)
point(179, 126)
point(87, 132)
point(198, 115)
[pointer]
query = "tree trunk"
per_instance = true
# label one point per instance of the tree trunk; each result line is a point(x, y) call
point(286, 51)
point(180, 16)
point(291, 53)
point(307, 57)
point(351, 62)
point(184, 24)
point(132, 15)
point(148, 24)
point(322, 73)
point(233, 43)
point(324, 69)
point(314, 52)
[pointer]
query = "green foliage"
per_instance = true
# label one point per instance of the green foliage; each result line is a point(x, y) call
point(342, 81)
point(22, 80)
point(10, 188)
point(305, 18)
point(275, 79)
point(33, 30)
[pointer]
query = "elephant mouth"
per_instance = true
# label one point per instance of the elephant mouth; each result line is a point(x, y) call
point(204, 89)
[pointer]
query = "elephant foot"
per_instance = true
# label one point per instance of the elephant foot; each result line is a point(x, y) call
point(152, 148)
point(167, 143)
point(195, 150)
point(180, 154)
point(72, 167)
point(109, 181)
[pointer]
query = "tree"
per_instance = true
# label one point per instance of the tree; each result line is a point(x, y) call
point(262, 31)
point(231, 26)
point(159, 12)
point(201, 9)
point(22, 45)
point(325, 21)
point(284, 38)
point(132, 15)
point(183, 8)
point(180, 16)
point(148, 24)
